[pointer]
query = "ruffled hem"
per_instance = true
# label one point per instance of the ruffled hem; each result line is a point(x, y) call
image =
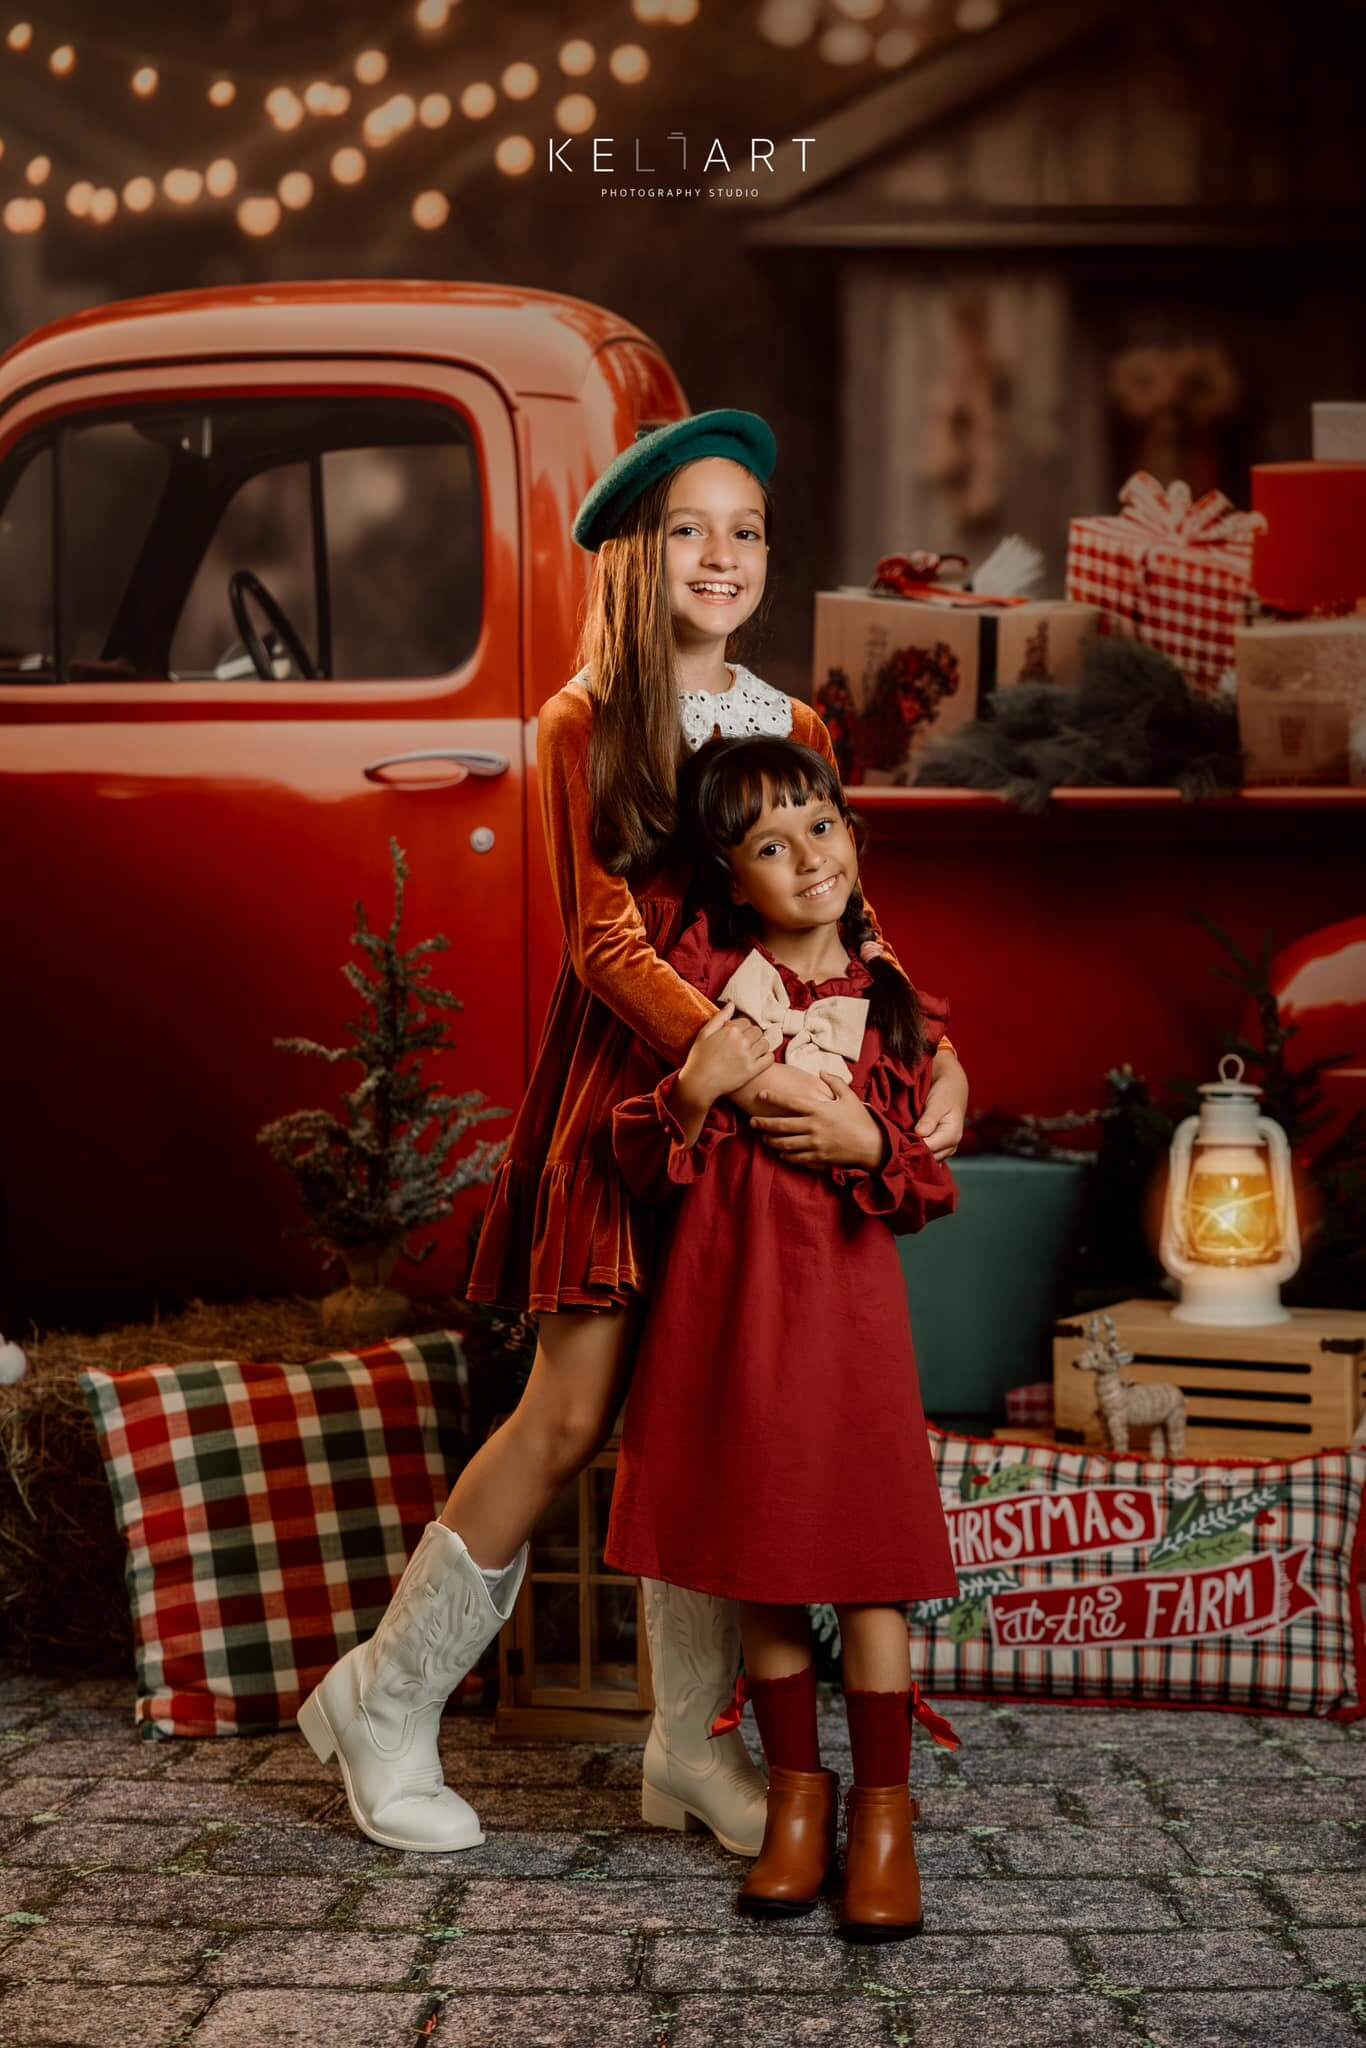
point(562, 1235)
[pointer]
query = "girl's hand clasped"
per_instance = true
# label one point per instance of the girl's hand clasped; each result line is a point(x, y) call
point(840, 1132)
point(727, 1052)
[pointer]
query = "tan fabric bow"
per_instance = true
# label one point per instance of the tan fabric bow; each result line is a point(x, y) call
point(824, 1036)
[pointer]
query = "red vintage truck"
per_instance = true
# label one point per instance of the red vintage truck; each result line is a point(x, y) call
point(287, 570)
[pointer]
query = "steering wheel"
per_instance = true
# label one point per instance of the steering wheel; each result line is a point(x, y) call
point(243, 584)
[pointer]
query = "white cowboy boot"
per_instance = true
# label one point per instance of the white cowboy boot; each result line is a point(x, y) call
point(379, 1706)
point(689, 1775)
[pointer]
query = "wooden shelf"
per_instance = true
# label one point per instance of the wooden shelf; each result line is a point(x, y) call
point(1304, 814)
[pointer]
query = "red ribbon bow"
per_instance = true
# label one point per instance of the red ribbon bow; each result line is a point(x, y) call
point(934, 1724)
point(730, 1717)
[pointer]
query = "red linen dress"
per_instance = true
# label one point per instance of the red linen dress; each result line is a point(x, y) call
point(774, 1445)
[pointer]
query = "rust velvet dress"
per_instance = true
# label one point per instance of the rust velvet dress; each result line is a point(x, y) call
point(559, 1228)
point(775, 1446)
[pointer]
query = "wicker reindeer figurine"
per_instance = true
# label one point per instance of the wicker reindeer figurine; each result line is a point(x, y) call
point(1124, 1403)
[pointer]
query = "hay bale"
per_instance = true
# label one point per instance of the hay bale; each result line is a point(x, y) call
point(63, 1596)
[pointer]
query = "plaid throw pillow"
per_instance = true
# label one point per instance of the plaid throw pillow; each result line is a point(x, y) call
point(1194, 1582)
point(269, 1511)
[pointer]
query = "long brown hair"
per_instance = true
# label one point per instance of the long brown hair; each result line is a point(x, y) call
point(723, 792)
point(626, 643)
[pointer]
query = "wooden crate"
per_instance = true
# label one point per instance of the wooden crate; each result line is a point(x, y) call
point(1280, 1390)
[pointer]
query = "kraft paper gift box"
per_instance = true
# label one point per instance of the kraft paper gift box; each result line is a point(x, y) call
point(1302, 700)
point(1172, 572)
point(891, 673)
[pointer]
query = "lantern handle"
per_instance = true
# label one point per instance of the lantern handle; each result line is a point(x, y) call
point(1238, 1063)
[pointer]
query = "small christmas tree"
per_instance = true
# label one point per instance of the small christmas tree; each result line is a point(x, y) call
point(366, 1177)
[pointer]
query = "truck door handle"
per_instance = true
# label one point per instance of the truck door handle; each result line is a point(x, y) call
point(473, 759)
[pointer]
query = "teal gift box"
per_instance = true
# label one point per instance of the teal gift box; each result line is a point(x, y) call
point(983, 1283)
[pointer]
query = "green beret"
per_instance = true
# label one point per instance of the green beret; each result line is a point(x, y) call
point(657, 451)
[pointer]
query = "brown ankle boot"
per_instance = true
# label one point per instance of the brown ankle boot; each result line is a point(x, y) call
point(881, 1877)
point(790, 1871)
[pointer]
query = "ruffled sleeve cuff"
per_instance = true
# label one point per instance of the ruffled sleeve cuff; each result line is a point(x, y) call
point(688, 1163)
point(909, 1189)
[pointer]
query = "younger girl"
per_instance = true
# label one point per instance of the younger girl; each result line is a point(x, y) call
point(779, 1305)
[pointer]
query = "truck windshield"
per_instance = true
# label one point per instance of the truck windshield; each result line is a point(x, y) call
point(126, 541)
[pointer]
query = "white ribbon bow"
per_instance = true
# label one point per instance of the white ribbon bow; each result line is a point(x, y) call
point(1169, 514)
point(824, 1036)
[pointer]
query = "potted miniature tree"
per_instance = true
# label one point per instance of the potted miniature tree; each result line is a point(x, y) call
point(384, 1167)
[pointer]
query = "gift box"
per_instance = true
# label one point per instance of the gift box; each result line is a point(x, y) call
point(1301, 696)
point(1311, 555)
point(1030, 1407)
point(891, 673)
point(1174, 573)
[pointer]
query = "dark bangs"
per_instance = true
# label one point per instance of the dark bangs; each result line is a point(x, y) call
point(722, 792)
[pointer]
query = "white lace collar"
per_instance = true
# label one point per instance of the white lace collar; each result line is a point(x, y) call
point(748, 706)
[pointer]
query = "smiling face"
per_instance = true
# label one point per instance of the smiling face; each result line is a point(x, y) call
point(797, 865)
point(716, 549)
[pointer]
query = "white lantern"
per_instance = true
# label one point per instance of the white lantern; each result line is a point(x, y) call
point(1229, 1230)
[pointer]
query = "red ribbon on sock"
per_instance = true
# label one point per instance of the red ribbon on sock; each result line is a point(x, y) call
point(730, 1717)
point(934, 1724)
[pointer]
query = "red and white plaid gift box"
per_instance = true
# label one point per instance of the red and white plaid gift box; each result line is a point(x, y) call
point(1030, 1407)
point(1173, 573)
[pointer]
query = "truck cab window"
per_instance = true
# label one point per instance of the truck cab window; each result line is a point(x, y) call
point(27, 638)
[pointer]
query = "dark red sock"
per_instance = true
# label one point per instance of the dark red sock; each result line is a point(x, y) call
point(785, 1709)
point(880, 1736)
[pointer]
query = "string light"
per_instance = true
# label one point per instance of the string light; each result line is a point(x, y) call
point(393, 118)
point(78, 198)
point(38, 170)
point(138, 194)
point(433, 14)
point(103, 205)
point(145, 81)
point(295, 189)
point(845, 43)
point(897, 46)
point(324, 98)
point(787, 23)
point(576, 113)
point(520, 81)
point(62, 60)
point(182, 187)
point(434, 109)
point(220, 179)
point(648, 10)
point(24, 216)
point(431, 210)
point(259, 215)
point(20, 36)
point(577, 58)
point(222, 93)
point(285, 107)
point(371, 67)
point(628, 63)
point(859, 10)
point(514, 155)
point(477, 101)
point(977, 14)
point(678, 13)
point(348, 165)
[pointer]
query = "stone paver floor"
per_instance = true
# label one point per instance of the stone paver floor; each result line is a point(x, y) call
point(1091, 1876)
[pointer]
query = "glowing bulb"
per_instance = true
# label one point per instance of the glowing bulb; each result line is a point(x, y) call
point(20, 36)
point(628, 63)
point(38, 170)
point(318, 97)
point(62, 60)
point(103, 205)
point(285, 108)
point(678, 13)
point(221, 177)
point(434, 109)
point(371, 67)
point(859, 10)
point(24, 216)
point(138, 194)
point(845, 43)
point(575, 113)
point(182, 187)
point(433, 14)
point(259, 215)
point(648, 10)
point(341, 99)
point(478, 100)
point(577, 58)
point(897, 46)
point(222, 93)
point(79, 196)
point(145, 80)
point(295, 189)
point(431, 210)
point(975, 14)
point(787, 23)
point(514, 155)
point(348, 165)
point(520, 81)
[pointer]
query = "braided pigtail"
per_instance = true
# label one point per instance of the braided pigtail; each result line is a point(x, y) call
point(895, 1010)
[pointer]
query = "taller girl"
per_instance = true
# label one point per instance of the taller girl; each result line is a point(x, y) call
point(679, 526)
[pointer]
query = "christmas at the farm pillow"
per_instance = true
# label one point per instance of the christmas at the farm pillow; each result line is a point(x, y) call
point(269, 1511)
point(1185, 1582)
